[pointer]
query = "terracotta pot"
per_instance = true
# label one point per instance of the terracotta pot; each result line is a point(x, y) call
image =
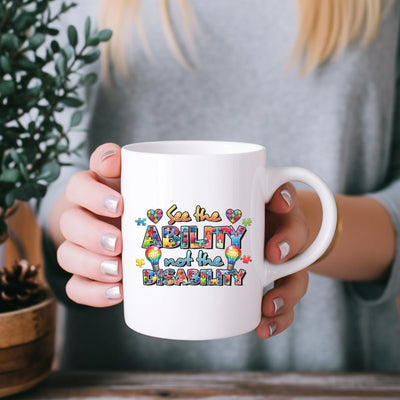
point(26, 346)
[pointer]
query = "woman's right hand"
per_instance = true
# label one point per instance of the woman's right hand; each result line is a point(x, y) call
point(91, 228)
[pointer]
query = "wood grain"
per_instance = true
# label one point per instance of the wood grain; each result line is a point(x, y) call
point(27, 326)
point(22, 357)
point(216, 386)
point(27, 339)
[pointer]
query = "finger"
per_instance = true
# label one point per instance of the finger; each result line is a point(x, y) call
point(289, 239)
point(84, 229)
point(106, 160)
point(283, 200)
point(91, 293)
point(84, 190)
point(79, 261)
point(272, 326)
point(288, 291)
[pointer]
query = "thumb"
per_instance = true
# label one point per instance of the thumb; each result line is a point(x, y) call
point(105, 161)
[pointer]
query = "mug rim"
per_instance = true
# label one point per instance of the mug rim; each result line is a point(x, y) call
point(193, 148)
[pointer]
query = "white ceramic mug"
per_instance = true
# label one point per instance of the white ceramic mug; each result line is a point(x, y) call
point(193, 236)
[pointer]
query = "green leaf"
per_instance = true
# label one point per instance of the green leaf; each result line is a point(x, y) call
point(49, 172)
point(20, 160)
point(34, 91)
point(65, 7)
point(76, 118)
point(55, 47)
point(36, 41)
point(5, 64)
point(47, 79)
point(87, 28)
point(24, 21)
point(59, 128)
point(9, 41)
point(25, 63)
point(41, 6)
point(93, 41)
point(72, 101)
point(88, 79)
point(49, 56)
point(10, 175)
point(59, 108)
point(62, 147)
point(7, 87)
point(68, 52)
point(32, 127)
point(91, 57)
point(39, 61)
point(48, 30)
point(104, 35)
point(72, 36)
point(14, 155)
point(61, 65)
point(9, 199)
point(29, 190)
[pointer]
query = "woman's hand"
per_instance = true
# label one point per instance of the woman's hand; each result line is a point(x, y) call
point(287, 234)
point(91, 227)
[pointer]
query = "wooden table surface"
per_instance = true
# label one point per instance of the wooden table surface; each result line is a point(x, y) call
point(214, 386)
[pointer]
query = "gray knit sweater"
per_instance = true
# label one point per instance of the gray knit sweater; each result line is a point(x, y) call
point(341, 122)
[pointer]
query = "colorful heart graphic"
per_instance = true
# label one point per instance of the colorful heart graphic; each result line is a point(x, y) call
point(233, 215)
point(154, 215)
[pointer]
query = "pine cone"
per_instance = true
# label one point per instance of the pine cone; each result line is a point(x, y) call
point(19, 287)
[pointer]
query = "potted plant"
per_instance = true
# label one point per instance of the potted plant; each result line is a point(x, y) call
point(39, 80)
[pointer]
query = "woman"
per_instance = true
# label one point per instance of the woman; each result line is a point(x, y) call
point(333, 113)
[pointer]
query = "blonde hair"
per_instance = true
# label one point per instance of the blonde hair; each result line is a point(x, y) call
point(325, 29)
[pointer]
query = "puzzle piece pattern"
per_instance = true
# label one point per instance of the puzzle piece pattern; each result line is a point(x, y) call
point(154, 215)
point(247, 222)
point(140, 262)
point(233, 215)
point(141, 221)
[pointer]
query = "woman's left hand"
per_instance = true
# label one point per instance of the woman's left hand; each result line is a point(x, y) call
point(286, 234)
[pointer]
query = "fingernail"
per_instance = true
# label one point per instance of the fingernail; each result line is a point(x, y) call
point(107, 154)
point(286, 196)
point(108, 241)
point(278, 304)
point(113, 293)
point(273, 326)
point(110, 203)
point(109, 267)
point(284, 247)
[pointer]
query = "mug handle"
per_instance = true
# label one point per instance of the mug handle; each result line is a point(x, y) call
point(275, 177)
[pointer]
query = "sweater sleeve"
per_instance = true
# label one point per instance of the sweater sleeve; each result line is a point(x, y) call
point(389, 196)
